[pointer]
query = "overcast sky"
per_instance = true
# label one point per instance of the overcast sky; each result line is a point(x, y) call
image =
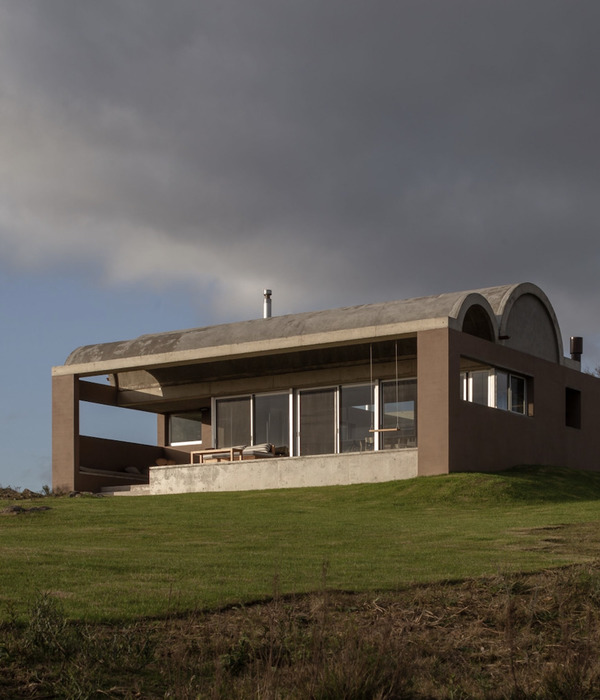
point(162, 162)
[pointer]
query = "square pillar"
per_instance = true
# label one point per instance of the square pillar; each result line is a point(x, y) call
point(162, 429)
point(65, 432)
point(433, 406)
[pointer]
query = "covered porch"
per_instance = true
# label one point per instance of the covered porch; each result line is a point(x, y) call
point(353, 400)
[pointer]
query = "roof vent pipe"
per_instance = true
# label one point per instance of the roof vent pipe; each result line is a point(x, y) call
point(267, 303)
point(576, 348)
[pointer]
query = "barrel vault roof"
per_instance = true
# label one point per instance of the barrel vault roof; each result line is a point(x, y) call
point(348, 324)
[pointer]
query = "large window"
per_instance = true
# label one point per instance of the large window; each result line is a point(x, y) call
point(233, 421)
point(352, 412)
point(272, 419)
point(326, 420)
point(490, 386)
point(357, 418)
point(253, 420)
point(398, 414)
point(317, 421)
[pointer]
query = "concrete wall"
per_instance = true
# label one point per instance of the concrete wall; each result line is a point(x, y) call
point(289, 472)
point(531, 329)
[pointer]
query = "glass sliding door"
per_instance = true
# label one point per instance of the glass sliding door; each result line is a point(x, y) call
point(317, 421)
point(356, 418)
point(233, 421)
point(399, 414)
point(272, 419)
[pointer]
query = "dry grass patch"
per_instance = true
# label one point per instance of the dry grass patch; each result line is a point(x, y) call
point(507, 636)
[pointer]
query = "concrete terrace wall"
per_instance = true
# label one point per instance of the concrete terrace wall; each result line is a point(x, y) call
point(287, 472)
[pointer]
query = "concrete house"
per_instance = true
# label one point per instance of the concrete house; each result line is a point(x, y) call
point(468, 381)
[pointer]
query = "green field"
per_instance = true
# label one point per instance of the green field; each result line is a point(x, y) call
point(119, 559)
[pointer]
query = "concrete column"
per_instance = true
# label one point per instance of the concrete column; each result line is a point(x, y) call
point(65, 432)
point(433, 418)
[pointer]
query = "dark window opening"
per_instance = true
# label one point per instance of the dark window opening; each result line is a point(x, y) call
point(185, 428)
point(478, 323)
point(572, 408)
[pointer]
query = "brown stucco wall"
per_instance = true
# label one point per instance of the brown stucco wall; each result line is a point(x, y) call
point(98, 393)
point(115, 455)
point(98, 453)
point(488, 439)
point(65, 432)
point(162, 426)
point(207, 434)
point(433, 422)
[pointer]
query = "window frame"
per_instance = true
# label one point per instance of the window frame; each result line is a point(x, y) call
point(215, 416)
point(375, 413)
point(413, 435)
point(376, 391)
point(266, 394)
point(308, 390)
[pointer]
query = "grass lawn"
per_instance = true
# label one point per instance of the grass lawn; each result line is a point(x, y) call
point(118, 559)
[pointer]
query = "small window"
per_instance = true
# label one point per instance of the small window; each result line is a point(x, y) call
point(481, 387)
point(517, 394)
point(502, 390)
point(477, 386)
point(572, 408)
point(185, 428)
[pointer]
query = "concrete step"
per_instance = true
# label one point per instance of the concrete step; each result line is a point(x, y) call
point(114, 489)
point(127, 490)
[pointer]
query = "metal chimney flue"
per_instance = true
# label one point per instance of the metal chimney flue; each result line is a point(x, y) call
point(267, 303)
point(576, 348)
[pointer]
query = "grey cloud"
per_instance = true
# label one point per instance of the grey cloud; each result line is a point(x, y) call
point(365, 150)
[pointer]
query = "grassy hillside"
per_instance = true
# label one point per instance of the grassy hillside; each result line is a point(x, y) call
point(122, 558)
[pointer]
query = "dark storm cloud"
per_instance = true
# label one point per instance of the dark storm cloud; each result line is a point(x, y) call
point(340, 152)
